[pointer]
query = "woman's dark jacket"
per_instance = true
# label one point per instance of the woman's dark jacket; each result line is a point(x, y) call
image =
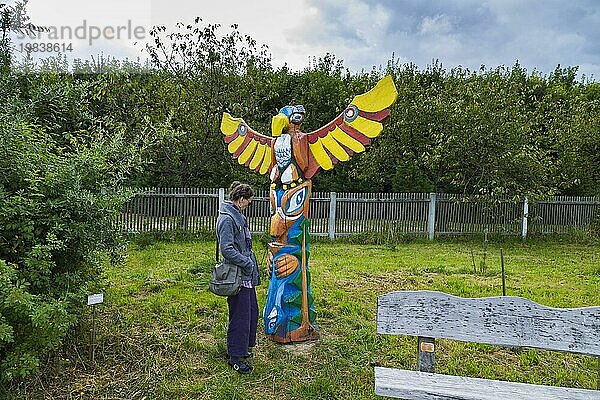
point(232, 241)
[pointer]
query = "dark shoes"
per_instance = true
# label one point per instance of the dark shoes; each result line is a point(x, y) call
point(240, 366)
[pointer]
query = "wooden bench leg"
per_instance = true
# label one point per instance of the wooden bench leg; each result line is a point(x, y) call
point(426, 349)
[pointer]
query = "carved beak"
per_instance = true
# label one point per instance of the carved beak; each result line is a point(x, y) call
point(278, 123)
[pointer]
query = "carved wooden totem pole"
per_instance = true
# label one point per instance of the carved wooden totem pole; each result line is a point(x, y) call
point(292, 158)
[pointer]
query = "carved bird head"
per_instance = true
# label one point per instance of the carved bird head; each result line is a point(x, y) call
point(289, 116)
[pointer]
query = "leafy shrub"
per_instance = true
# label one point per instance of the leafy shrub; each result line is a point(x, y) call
point(57, 206)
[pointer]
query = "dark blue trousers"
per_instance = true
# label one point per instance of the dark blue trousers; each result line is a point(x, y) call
point(243, 318)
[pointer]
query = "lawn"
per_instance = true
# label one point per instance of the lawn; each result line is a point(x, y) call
point(161, 334)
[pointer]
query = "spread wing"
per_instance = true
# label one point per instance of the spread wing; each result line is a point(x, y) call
point(353, 129)
point(249, 147)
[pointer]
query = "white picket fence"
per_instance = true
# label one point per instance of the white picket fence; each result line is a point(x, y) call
point(342, 214)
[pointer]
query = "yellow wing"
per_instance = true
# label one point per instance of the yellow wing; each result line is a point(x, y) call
point(249, 147)
point(353, 129)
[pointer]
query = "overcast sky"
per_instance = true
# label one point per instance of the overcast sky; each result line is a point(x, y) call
point(365, 33)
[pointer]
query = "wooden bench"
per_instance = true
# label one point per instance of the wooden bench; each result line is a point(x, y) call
point(501, 321)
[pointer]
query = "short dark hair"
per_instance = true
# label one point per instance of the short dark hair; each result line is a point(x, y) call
point(238, 190)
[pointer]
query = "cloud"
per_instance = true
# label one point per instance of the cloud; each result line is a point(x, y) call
point(352, 30)
point(440, 24)
point(365, 33)
point(544, 34)
point(469, 33)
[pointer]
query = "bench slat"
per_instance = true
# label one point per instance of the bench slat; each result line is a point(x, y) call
point(415, 385)
point(502, 321)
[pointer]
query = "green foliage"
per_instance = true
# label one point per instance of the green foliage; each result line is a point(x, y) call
point(487, 133)
point(60, 177)
point(205, 73)
point(29, 324)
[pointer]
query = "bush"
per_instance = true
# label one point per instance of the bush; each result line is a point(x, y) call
point(57, 206)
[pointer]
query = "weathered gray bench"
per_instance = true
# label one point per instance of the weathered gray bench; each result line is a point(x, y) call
point(501, 321)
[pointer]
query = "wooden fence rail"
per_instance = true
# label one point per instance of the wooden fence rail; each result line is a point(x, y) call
point(342, 214)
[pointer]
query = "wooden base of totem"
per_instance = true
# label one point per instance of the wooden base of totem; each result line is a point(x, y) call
point(302, 334)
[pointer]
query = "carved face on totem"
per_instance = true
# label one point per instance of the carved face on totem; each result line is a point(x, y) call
point(287, 206)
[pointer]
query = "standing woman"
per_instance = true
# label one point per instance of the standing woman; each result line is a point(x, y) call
point(235, 243)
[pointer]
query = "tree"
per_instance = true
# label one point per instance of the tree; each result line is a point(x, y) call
point(204, 70)
point(13, 19)
point(571, 132)
point(467, 132)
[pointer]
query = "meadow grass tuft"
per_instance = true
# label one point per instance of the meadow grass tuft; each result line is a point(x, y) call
point(161, 334)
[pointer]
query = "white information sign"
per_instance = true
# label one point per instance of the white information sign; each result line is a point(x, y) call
point(95, 299)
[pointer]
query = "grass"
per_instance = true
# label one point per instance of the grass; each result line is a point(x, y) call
point(161, 334)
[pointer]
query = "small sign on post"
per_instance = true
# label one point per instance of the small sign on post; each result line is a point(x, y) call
point(93, 300)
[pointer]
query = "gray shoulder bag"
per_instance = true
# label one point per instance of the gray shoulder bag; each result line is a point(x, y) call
point(226, 278)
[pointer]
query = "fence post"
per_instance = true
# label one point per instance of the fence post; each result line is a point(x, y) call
point(525, 215)
point(221, 198)
point(332, 206)
point(431, 216)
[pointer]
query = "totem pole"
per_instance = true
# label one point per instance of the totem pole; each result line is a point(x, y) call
point(292, 159)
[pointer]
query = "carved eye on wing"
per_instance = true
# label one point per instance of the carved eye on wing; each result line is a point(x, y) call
point(249, 147)
point(353, 129)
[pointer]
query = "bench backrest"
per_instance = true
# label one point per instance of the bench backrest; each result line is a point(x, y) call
point(502, 321)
